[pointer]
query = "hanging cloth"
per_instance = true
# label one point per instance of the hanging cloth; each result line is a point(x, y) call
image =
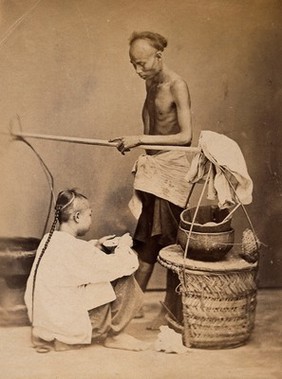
point(229, 167)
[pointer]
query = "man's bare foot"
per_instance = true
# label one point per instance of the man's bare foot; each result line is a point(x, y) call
point(140, 313)
point(124, 341)
point(158, 321)
point(61, 346)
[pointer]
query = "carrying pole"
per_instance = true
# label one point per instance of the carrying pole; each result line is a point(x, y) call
point(19, 134)
point(99, 142)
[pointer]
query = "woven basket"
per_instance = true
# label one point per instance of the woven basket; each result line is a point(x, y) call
point(219, 300)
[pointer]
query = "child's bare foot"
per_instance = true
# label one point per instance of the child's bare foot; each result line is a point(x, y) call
point(158, 321)
point(124, 341)
point(40, 345)
point(61, 346)
point(37, 341)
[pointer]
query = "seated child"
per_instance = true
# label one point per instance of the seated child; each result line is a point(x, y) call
point(76, 293)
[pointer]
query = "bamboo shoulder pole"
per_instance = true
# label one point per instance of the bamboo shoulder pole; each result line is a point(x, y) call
point(100, 142)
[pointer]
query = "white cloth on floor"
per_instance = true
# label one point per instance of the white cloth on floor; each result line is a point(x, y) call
point(162, 175)
point(169, 341)
point(72, 278)
point(229, 166)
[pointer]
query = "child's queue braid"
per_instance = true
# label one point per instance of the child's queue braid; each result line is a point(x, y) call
point(62, 213)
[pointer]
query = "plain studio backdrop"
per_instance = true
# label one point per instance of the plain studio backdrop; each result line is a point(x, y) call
point(65, 70)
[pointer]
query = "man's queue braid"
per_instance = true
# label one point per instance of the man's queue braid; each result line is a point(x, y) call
point(62, 214)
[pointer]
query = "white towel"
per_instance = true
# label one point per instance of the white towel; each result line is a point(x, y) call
point(229, 166)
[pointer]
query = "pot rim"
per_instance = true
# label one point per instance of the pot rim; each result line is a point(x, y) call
point(203, 225)
point(230, 231)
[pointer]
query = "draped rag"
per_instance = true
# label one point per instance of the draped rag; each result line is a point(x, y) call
point(230, 180)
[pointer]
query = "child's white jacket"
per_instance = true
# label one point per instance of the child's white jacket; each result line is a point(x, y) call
point(73, 277)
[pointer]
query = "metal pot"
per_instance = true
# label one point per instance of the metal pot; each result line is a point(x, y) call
point(211, 214)
point(206, 246)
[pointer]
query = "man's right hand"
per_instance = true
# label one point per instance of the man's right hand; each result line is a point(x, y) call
point(124, 144)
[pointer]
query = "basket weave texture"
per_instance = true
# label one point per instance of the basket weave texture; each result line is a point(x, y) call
point(218, 306)
point(218, 310)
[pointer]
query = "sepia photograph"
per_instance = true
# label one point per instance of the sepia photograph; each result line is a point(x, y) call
point(141, 189)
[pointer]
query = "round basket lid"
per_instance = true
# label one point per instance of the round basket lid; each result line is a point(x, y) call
point(173, 256)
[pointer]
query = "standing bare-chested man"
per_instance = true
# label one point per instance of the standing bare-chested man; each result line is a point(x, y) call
point(159, 176)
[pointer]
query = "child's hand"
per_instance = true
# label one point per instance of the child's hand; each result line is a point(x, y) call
point(125, 240)
point(111, 242)
point(93, 242)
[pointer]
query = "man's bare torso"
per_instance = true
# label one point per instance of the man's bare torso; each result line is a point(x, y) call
point(161, 106)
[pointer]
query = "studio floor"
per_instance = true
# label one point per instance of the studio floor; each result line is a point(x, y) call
point(260, 358)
